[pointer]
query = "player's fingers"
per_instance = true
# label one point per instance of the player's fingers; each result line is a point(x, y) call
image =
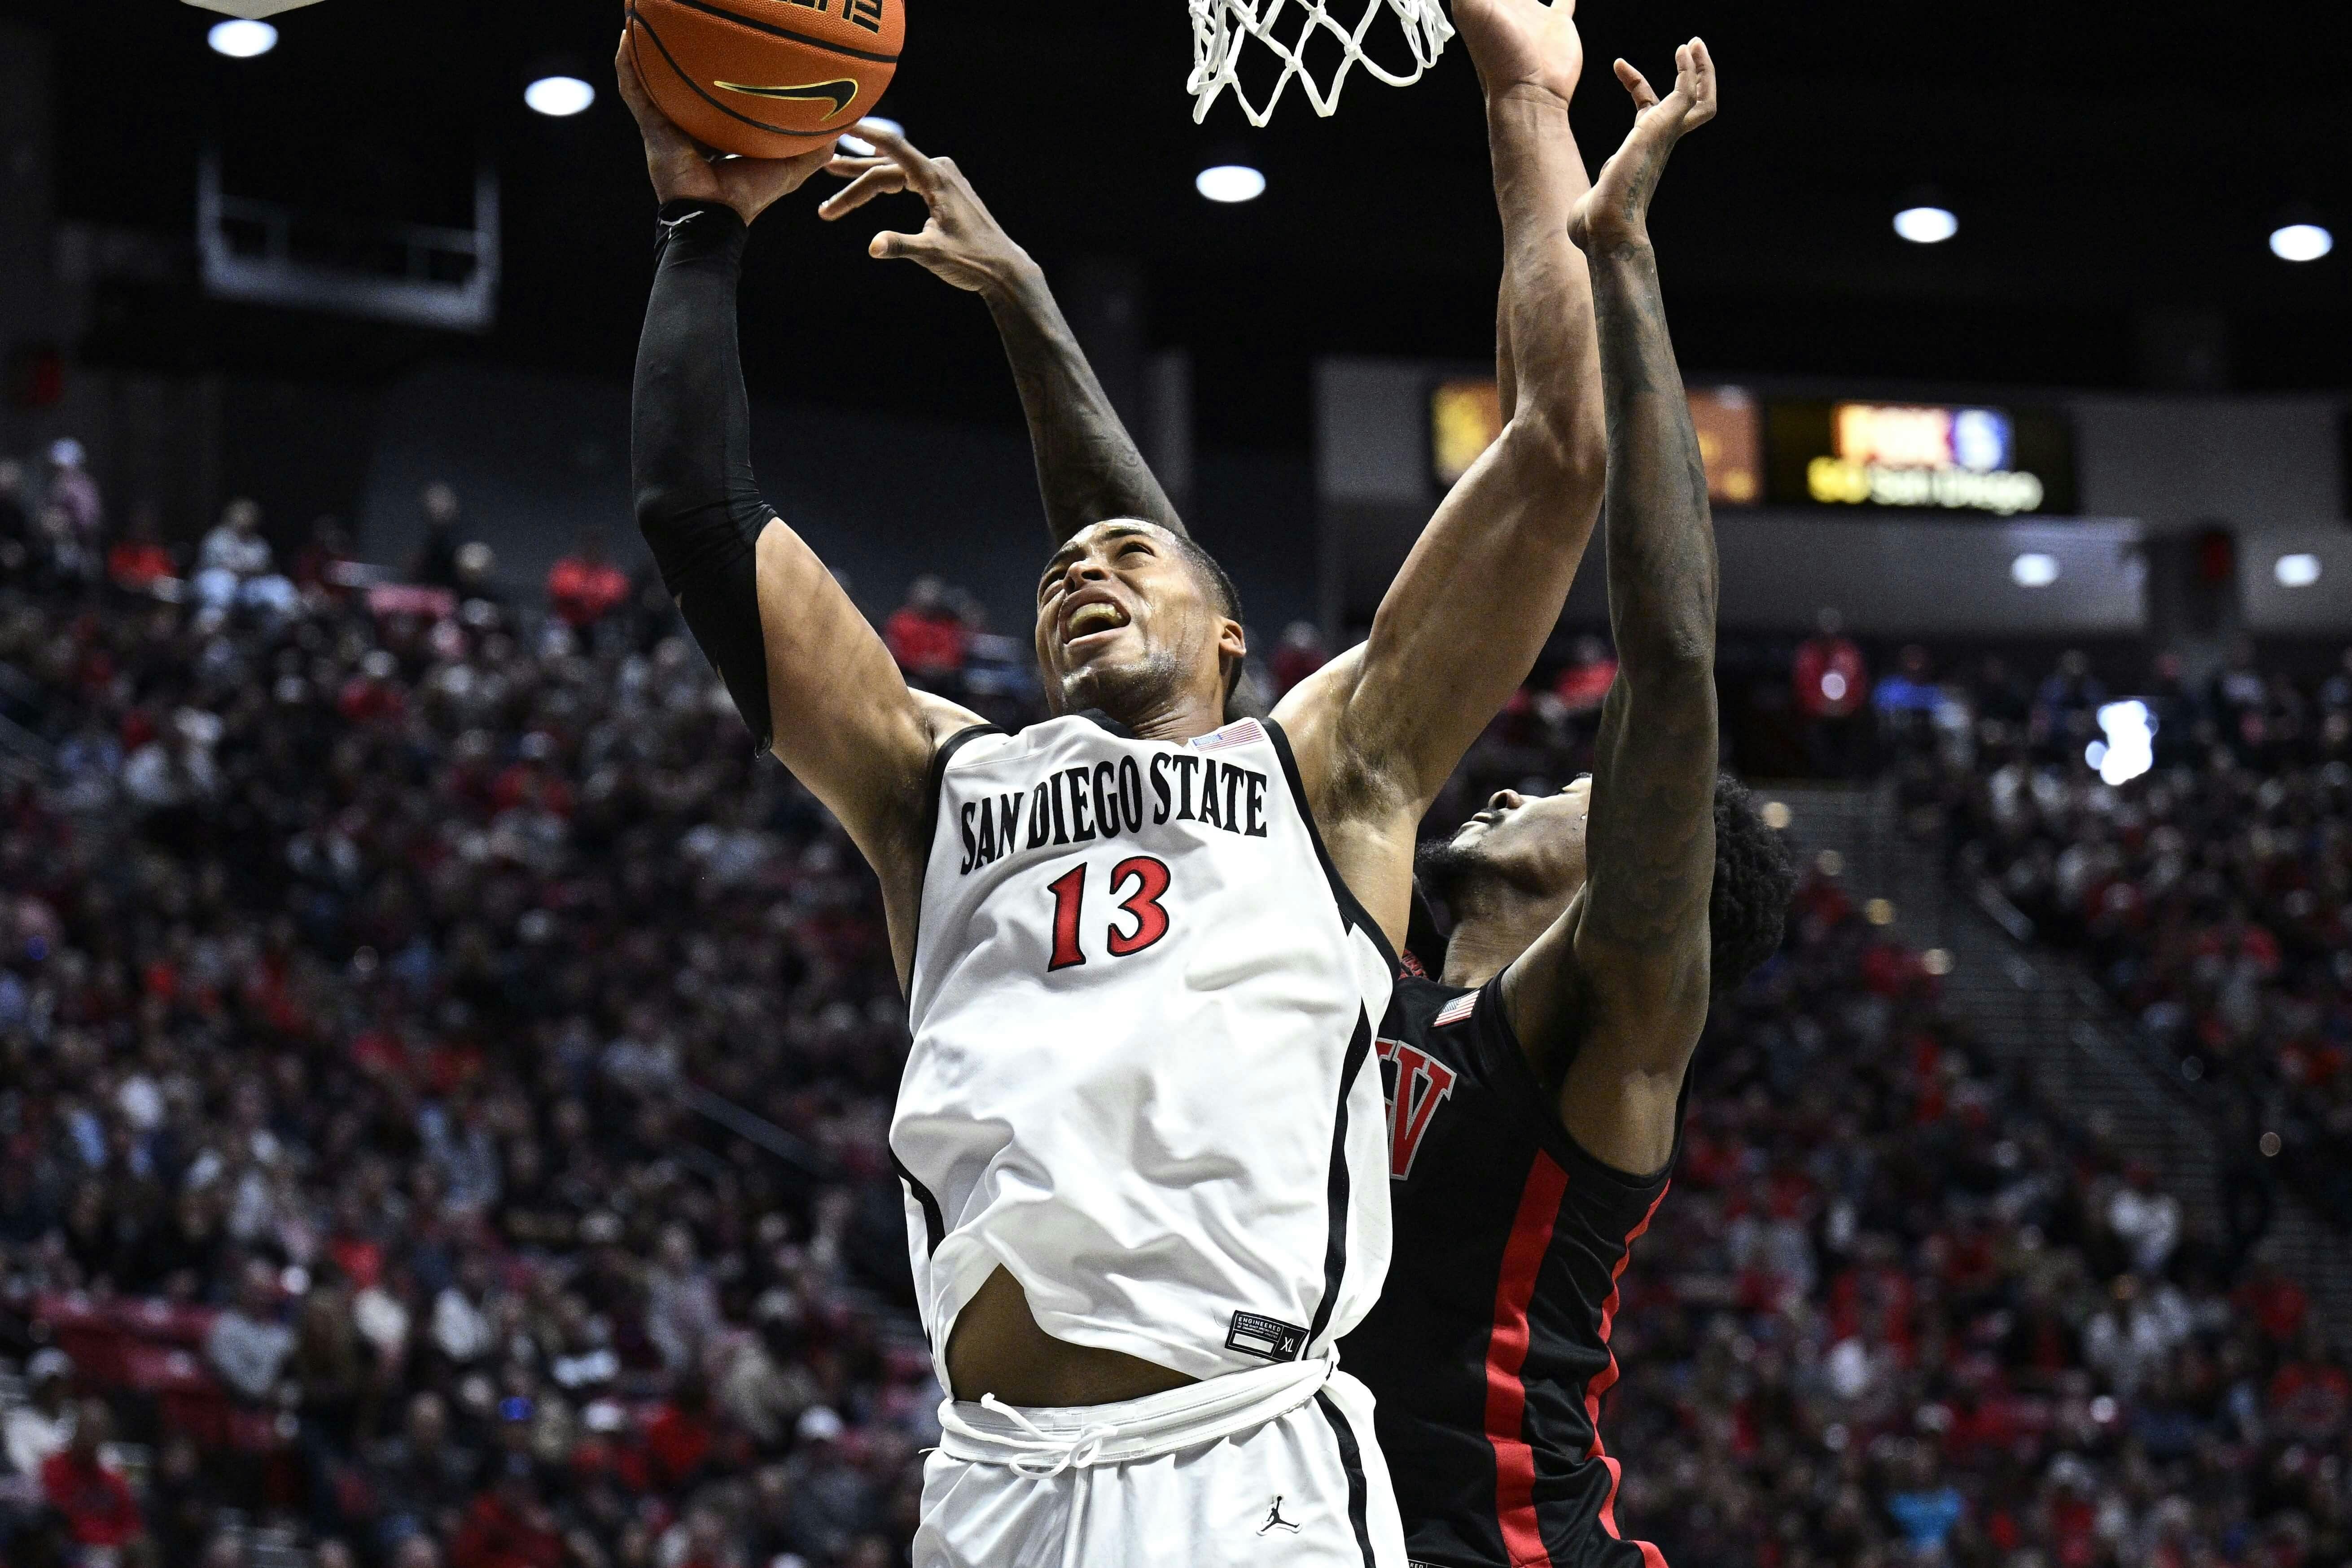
point(883, 182)
point(891, 246)
point(632, 85)
point(1644, 96)
point(898, 150)
point(1708, 101)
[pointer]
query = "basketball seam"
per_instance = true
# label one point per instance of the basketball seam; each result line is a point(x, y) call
point(680, 72)
point(781, 32)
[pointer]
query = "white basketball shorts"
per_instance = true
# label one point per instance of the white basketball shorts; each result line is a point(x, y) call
point(1255, 1469)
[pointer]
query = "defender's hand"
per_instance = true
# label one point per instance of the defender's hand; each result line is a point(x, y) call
point(961, 242)
point(1523, 44)
point(1616, 211)
point(685, 170)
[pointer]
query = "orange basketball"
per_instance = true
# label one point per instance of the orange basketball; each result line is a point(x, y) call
point(766, 79)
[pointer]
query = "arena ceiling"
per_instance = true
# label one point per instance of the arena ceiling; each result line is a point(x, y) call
point(2116, 169)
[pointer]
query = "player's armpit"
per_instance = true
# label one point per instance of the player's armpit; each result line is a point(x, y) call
point(1623, 1022)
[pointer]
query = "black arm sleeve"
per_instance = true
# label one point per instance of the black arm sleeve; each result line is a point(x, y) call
point(691, 447)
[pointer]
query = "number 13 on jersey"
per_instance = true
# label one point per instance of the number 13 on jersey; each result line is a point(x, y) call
point(1137, 885)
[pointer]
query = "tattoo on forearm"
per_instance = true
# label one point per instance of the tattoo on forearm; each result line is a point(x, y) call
point(1652, 847)
point(1088, 467)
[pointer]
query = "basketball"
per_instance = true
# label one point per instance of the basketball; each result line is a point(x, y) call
point(766, 79)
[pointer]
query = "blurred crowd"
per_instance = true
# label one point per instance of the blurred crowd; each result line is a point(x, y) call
point(444, 1080)
point(1894, 1313)
point(2192, 840)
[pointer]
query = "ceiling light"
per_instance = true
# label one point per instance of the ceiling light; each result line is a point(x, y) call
point(2033, 569)
point(2301, 242)
point(884, 122)
point(242, 40)
point(559, 97)
point(2298, 570)
point(1927, 226)
point(1231, 182)
point(255, 9)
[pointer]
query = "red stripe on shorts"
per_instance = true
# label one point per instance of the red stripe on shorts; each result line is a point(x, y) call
point(1606, 1379)
point(1507, 1354)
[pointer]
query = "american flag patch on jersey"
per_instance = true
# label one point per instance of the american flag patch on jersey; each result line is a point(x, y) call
point(1454, 1012)
point(1240, 734)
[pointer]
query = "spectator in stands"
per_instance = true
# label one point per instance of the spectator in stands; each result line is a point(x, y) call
point(247, 1345)
point(235, 565)
point(2146, 1220)
point(1585, 682)
point(72, 492)
point(1829, 683)
point(1300, 655)
point(926, 635)
point(15, 520)
point(325, 563)
point(138, 561)
point(182, 1502)
point(1907, 697)
point(478, 574)
point(92, 1501)
point(44, 1424)
point(422, 1477)
point(435, 565)
point(585, 587)
point(509, 1526)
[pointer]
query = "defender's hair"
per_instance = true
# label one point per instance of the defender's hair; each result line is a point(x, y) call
point(1755, 878)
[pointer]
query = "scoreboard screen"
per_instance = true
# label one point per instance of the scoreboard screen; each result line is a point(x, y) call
point(1798, 452)
point(1920, 457)
point(1465, 416)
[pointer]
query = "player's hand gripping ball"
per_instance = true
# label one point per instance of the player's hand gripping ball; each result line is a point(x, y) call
point(766, 79)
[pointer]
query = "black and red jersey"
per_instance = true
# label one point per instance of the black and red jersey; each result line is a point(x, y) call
point(1489, 1349)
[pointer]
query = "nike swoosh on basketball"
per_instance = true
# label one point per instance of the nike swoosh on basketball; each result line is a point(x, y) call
point(841, 93)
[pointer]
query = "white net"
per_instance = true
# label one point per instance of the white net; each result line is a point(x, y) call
point(1221, 31)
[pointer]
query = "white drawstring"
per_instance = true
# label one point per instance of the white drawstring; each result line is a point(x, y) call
point(1058, 1454)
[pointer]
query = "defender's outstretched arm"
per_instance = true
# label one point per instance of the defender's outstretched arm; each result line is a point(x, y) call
point(1378, 730)
point(1624, 975)
point(808, 673)
point(1088, 467)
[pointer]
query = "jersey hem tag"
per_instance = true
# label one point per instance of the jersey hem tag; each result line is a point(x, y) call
point(1269, 1337)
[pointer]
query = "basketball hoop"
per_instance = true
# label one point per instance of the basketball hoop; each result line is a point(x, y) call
point(1221, 30)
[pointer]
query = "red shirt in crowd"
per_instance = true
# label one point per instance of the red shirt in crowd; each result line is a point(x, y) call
point(926, 642)
point(499, 1534)
point(1830, 682)
point(1584, 686)
point(678, 1441)
point(138, 565)
point(97, 1503)
point(584, 592)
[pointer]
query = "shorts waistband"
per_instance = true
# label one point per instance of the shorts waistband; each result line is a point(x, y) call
point(1044, 1441)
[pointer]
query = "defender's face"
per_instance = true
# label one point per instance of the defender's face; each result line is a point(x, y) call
point(1119, 607)
point(1534, 842)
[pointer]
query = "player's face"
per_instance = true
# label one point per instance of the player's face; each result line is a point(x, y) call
point(1123, 619)
point(1534, 842)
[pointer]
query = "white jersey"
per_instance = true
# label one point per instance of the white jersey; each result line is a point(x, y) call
point(1142, 1007)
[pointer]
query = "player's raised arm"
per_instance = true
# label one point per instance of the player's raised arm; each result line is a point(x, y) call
point(1378, 730)
point(1088, 467)
point(806, 670)
point(1627, 967)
